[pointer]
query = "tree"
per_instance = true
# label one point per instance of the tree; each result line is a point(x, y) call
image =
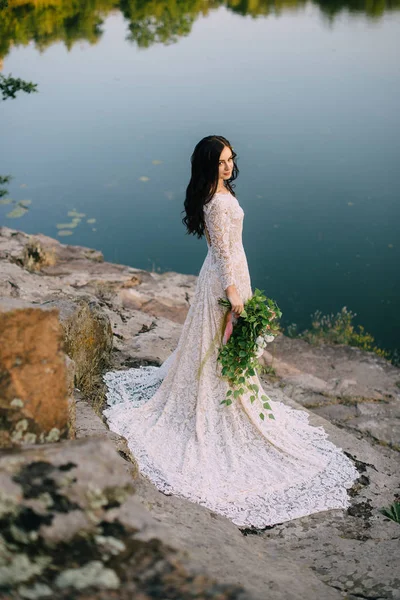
point(9, 86)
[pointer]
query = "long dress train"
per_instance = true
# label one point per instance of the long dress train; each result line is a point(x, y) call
point(256, 473)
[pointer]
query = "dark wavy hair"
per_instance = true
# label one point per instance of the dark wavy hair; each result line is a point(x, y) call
point(204, 181)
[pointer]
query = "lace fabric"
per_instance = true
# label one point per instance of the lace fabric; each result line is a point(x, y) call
point(256, 473)
point(218, 226)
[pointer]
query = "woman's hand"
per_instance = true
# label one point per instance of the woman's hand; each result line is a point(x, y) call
point(235, 299)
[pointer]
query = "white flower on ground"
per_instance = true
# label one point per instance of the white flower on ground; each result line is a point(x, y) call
point(259, 352)
point(269, 338)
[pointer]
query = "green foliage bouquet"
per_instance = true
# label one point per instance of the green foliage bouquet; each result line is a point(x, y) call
point(243, 343)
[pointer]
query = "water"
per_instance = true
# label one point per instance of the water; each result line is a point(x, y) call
point(309, 99)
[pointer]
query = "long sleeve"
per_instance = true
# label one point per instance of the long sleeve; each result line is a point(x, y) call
point(217, 218)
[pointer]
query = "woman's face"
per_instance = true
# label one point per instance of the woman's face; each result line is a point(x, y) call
point(225, 164)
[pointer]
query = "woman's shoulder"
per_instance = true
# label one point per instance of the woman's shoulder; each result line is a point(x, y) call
point(222, 199)
point(226, 193)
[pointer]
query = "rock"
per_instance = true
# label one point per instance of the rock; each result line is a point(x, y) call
point(140, 339)
point(82, 271)
point(34, 401)
point(70, 525)
point(89, 424)
point(161, 296)
point(341, 383)
point(93, 574)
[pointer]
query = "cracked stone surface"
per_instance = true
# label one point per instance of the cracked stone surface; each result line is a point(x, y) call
point(352, 388)
point(354, 394)
point(70, 525)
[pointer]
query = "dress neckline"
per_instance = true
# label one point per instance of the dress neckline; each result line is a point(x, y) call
point(223, 194)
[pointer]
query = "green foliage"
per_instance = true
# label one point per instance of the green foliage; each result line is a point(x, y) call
point(238, 357)
point(4, 179)
point(338, 329)
point(392, 511)
point(9, 86)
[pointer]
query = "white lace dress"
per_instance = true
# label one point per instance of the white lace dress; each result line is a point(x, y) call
point(254, 472)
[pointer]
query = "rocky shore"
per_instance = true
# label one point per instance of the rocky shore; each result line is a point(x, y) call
point(77, 518)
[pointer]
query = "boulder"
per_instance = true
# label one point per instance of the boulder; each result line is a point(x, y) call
point(72, 528)
point(34, 402)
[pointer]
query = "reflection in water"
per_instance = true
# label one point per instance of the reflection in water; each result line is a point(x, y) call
point(151, 22)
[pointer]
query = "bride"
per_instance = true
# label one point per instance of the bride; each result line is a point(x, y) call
point(256, 473)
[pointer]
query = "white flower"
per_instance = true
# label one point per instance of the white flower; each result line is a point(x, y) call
point(259, 352)
point(269, 338)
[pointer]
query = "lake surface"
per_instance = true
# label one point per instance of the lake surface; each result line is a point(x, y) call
point(307, 93)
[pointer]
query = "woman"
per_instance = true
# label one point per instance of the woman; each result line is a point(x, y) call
point(256, 473)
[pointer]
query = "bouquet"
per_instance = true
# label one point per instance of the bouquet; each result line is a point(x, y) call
point(243, 342)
